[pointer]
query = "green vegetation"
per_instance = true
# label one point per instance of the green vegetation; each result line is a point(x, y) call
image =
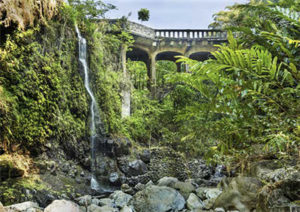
point(247, 95)
point(143, 14)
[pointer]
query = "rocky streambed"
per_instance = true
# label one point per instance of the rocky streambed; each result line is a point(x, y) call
point(268, 189)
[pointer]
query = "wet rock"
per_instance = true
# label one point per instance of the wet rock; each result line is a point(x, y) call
point(114, 178)
point(22, 206)
point(120, 198)
point(158, 199)
point(193, 202)
point(167, 181)
point(62, 206)
point(145, 156)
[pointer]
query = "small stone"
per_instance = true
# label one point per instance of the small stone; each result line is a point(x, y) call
point(127, 189)
point(150, 183)
point(84, 200)
point(139, 187)
point(114, 178)
point(219, 210)
point(82, 174)
point(193, 202)
point(145, 156)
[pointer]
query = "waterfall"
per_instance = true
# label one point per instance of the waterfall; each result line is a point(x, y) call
point(95, 117)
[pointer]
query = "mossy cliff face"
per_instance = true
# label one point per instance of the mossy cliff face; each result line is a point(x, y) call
point(42, 88)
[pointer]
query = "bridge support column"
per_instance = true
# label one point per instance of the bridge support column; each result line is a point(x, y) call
point(152, 74)
point(126, 85)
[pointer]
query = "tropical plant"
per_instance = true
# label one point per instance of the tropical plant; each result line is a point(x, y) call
point(143, 14)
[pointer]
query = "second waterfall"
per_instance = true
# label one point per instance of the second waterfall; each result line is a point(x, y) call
point(95, 127)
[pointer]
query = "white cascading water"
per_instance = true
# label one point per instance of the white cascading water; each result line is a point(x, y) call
point(94, 109)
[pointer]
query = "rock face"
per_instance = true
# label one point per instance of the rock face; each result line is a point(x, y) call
point(158, 199)
point(62, 206)
point(240, 194)
point(8, 170)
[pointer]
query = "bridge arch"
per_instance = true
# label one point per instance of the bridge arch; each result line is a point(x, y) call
point(169, 56)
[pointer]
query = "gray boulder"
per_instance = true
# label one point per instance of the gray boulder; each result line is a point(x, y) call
point(24, 206)
point(62, 206)
point(193, 202)
point(158, 199)
point(239, 193)
point(120, 198)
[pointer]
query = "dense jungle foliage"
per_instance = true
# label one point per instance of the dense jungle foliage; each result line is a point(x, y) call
point(243, 100)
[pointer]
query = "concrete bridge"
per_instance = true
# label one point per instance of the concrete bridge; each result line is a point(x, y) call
point(152, 45)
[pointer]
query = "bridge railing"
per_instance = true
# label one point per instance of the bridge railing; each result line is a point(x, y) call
point(190, 34)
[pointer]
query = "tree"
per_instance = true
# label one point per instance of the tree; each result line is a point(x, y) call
point(143, 14)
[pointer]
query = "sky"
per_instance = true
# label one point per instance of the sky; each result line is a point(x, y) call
point(172, 14)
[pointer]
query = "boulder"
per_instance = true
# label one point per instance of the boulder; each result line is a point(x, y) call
point(239, 193)
point(1, 208)
point(62, 206)
point(280, 194)
point(167, 181)
point(120, 199)
point(158, 199)
point(193, 202)
point(24, 206)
